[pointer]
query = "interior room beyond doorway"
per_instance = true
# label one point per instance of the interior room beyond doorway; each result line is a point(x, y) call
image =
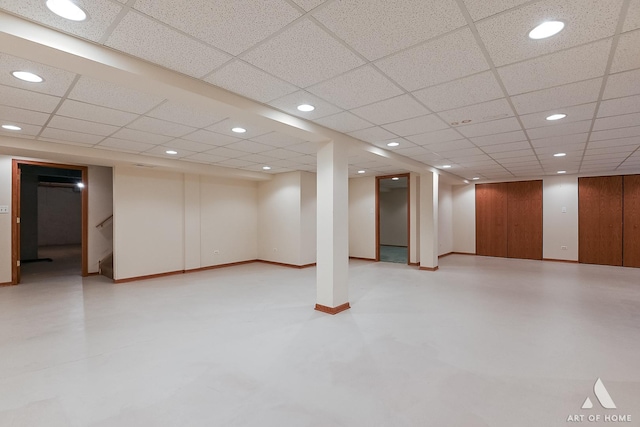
point(393, 219)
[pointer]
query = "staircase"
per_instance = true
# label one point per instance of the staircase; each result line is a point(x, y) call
point(105, 266)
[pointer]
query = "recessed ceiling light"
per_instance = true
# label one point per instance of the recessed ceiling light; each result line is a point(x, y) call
point(395, 178)
point(475, 178)
point(361, 171)
point(267, 168)
point(171, 152)
point(559, 154)
point(393, 144)
point(466, 181)
point(239, 130)
point(11, 127)
point(80, 185)
point(556, 117)
point(546, 29)
point(67, 9)
point(27, 76)
point(562, 171)
point(306, 107)
point(446, 166)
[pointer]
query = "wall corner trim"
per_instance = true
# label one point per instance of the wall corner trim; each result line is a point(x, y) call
point(332, 310)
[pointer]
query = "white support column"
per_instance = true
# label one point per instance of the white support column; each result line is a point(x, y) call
point(429, 221)
point(333, 228)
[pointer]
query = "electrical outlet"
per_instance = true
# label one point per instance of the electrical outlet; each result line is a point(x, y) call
point(216, 252)
point(4, 209)
point(564, 248)
point(275, 249)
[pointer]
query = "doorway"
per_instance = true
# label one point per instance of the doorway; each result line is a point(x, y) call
point(50, 207)
point(392, 219)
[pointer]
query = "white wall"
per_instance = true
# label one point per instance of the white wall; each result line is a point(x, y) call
point(59, 216)
point(100, 208)
point(414, 218)
point(192, 222)
point(560, 229)
point(5, 220)
point(308, 211)
point(393, 217)
point(445, 219)
point(464, 218)
point(362, 218)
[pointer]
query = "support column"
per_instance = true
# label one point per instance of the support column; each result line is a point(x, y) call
point(429, 221)
point(333, 229)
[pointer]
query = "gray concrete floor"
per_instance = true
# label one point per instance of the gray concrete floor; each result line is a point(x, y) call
point(481, 342)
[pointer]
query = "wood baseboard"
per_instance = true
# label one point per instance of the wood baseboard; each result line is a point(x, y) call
point(282, 264)
point(447, 254)
point(332, 310)
point(150, 276)
point(414, 264)
point(92, 274)
point(429, 268)
point(362, 259)
point(6, 284)
point(215, 267)
point(560, 260)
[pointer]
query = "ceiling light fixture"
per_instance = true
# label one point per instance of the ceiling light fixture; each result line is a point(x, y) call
point(27, 76)
point(172, 152)
point(466, 181)
point(546, 29)
point(361, 171)
point(559, 154)
point(556, 117)
point(11, 127)
point(475, 178)
point(446, 166)
point(266, 168)
point(562, 171)
point(306, 107)
point(395, 178)
point(238, 130)
point(80, 185)
point(393, 144)
point(67, 10)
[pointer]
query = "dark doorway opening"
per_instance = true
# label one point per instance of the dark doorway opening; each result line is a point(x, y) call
point(392, 219)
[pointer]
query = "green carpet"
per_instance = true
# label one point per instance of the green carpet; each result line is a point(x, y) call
point(393, 254)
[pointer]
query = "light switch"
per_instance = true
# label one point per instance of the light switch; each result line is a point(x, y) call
point(4, 209)
point(564, 210)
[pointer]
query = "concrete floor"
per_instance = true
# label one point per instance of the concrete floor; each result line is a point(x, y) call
point(481, 342)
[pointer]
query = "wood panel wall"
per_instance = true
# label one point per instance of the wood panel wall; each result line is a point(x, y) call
point(491, 219)
point(631, 218)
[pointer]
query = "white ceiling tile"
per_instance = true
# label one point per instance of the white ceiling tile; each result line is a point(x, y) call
point(490, 128)
point(615, 133)
point(56, 81)
point(66, 135)
point(573, 151)
point(304, 148)
point(486, 111)
point(578, 63)
point(377, 28)
point(412, 151)
point(403, 144)
point(391, 110)
point(281, 154)
point(139, 136)
point(355, 88)
point(447, 58)
point(435, 137)
point(447, 147)
point(184, 114)
point(211, 138)
point(560, 129)
point(512, 149)
point(289, 104)
point(224, 127)
point(500, 138)
point(459, 93)
point(505, 35)
point(559, 141)
point(232, 26)
point(249, 146)
point(102, 14)
point(303, 54)
point(633, 16)
point(276, 139)
point(94, 113)
point(622, 84)
point(11, 114)
point(416, 125)
point(574, 114)
point(66, 123)
point(627, 55)
point(344, 122)
point(479, 9)
point(309, 4)
point(235, 163)
point(626, 120)
point(27, 100)
point(307, 160)
point(183, 144)
point(124, 145)
point(557, 97)
point(149, 124)
point(28, 130)
point(226, 152)
point(249, 81)
point(464, 153)
point(372, 134)
point(205, 158)
point(161, 151)
point(109, 95)
point(257, 158)
point(145, 38)
point(634, 140)
point(614, 107)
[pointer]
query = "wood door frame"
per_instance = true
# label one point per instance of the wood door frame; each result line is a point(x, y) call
point(378, 178)
point(15, 210)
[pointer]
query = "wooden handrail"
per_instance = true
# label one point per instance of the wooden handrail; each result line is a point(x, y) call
point(102, 224)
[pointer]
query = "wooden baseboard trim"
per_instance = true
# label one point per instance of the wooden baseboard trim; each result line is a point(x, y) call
point(282, 264)
point(414, 264)
point(92, 274)
point(462, 253)
point(150, 276)
point(560, 260)
point(2, 285)
point(332, 310)
point(215, 267)
point(429, 268)
point(362, 259)
point(447, 254)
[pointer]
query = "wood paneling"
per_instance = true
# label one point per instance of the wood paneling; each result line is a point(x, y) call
point(631, 238)
point(600, 220)
point(524, 220)
point(491, 219)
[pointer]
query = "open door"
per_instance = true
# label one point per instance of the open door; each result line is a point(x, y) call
point(15, 215)
point(393, 218)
